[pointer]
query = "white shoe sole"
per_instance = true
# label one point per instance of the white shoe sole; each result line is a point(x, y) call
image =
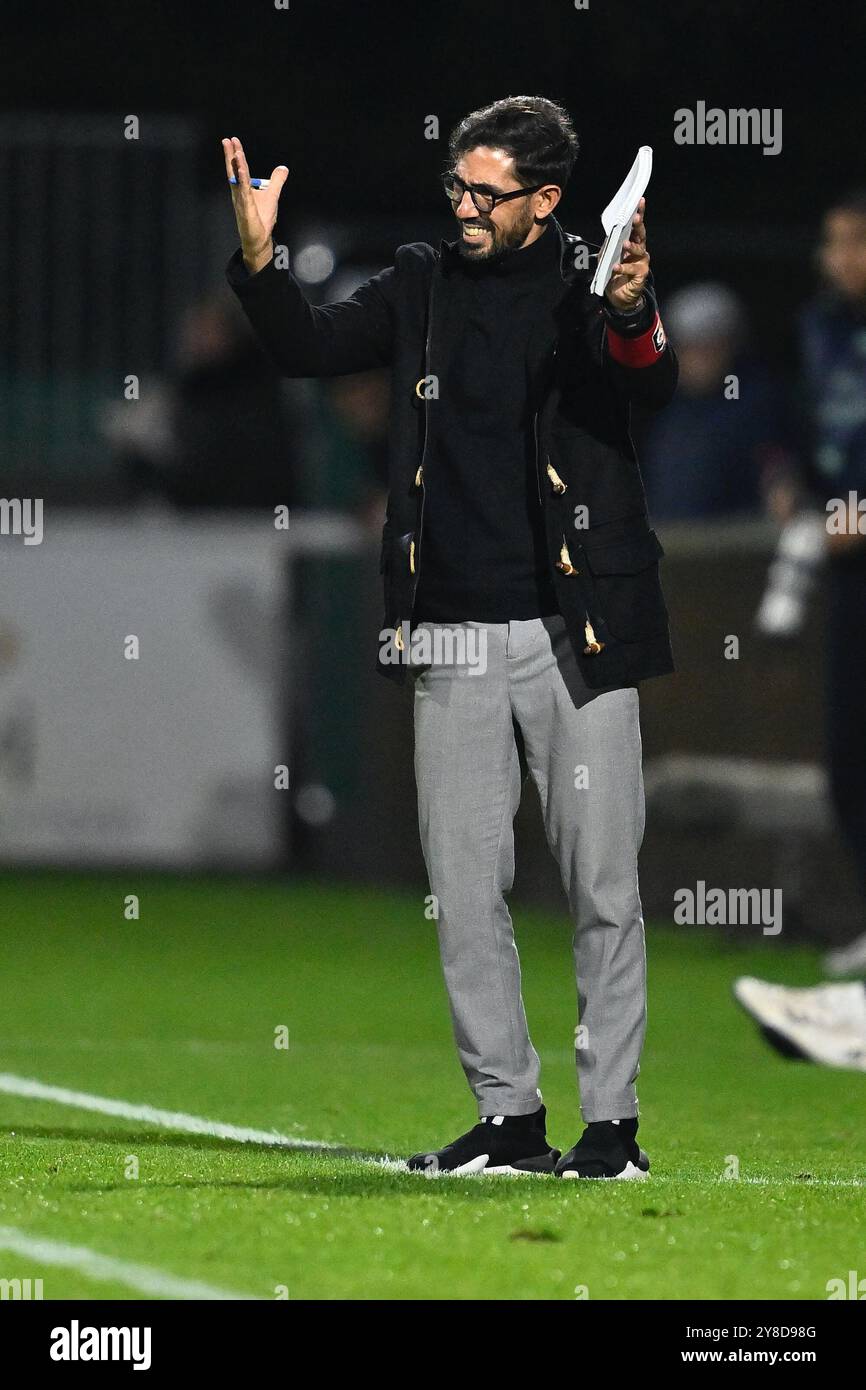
point(476, 1167)
point(515, 1172)
point(630, 1172)
point(813, 1039)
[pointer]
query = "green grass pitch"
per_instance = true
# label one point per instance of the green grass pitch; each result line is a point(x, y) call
point(179, 1010)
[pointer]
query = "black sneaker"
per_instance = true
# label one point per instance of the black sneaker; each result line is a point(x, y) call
point(498, 1144)
point(606, 1149)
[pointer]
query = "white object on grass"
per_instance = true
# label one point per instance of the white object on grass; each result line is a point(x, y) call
point(824, 1023)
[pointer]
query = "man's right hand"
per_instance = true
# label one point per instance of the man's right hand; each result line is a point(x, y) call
point(255, 208)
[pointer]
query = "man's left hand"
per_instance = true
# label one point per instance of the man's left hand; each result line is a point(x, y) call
point(625, 287)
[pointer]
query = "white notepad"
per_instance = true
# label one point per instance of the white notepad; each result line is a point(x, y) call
point(617, 216)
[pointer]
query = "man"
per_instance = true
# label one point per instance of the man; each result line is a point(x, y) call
point(829, 531)
point(517, 548)
point(709, 456)
point(833, 342)
point(826, 1023)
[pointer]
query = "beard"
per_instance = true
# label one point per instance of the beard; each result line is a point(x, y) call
point(499, 239)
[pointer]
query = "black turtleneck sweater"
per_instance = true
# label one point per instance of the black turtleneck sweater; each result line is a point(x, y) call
point(483, 555)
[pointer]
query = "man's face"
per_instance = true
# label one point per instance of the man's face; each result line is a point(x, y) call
point(703, 365)
point(509, 225)
point(842, 252)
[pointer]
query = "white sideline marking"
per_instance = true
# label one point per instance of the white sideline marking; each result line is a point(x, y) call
point(148, 1114)
point(109, 1270)
point(193, 1124)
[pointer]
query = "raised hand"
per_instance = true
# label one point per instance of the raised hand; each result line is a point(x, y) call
point(255, 208)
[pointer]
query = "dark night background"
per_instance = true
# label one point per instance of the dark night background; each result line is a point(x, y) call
point(339, 92)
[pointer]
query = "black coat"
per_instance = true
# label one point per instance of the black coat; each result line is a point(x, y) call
point(606, 572)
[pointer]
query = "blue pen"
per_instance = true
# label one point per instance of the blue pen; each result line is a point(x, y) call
point(254, 183)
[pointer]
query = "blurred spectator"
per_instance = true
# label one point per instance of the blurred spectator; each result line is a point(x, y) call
point(830, 530)
point(833, 331)
point(723, 446)
point(222, 429)
point(219, 432)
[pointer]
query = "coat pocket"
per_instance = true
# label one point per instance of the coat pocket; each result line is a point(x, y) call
point(628, 593)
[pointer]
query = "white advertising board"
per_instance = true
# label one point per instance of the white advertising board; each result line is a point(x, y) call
point(165, 758)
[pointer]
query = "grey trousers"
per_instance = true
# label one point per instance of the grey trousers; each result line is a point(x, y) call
point(479, 725)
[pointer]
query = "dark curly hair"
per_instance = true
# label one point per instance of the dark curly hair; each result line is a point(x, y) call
point(537, 133)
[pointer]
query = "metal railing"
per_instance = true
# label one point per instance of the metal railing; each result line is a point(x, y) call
point(99, 238)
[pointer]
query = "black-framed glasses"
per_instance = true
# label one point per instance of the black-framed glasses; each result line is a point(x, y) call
point(484, 199)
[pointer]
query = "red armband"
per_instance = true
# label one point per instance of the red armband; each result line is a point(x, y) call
point(637, 352)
